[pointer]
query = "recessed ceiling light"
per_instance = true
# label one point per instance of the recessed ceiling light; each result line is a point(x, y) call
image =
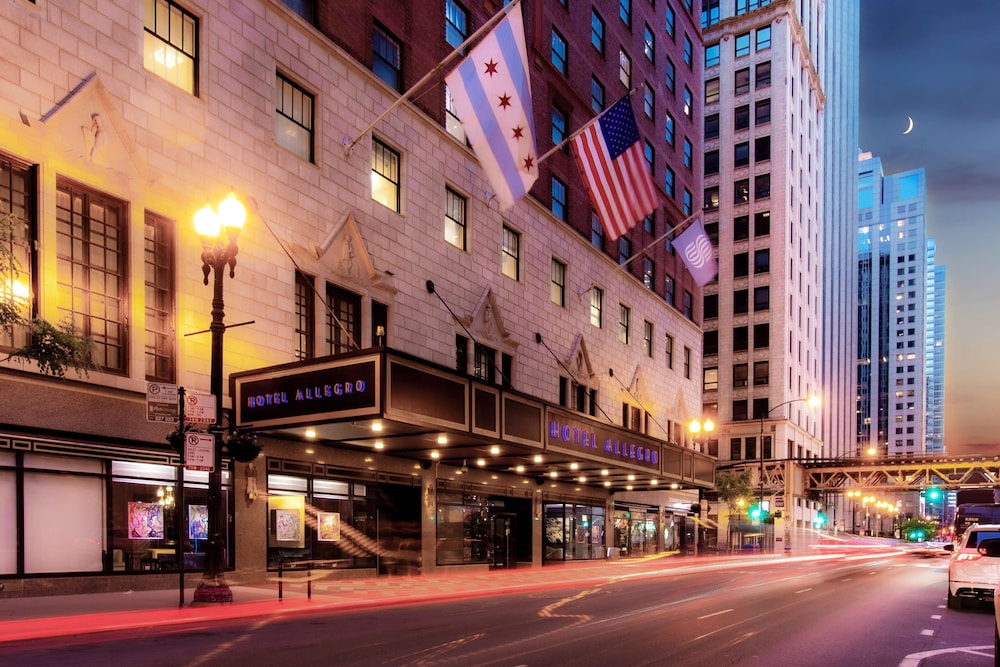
point(607, 482)
point(379, 444)
point(574, 466)
point(310, 433)
point(604, 472)
point(494, 450)
point(377, 426)
point(480, 462)
point(310, 451)
point(435, 454)
point(581, 479)
point(553, 474)
point(442, 439)
point(631, 478)
point(654, 482)
point(538, 458)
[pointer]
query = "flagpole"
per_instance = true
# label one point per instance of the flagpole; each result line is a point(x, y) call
point(628, 261)
point(596, 118)
point(486, 27)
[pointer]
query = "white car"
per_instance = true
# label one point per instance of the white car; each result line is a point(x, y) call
point(971, 573)
point(990, 549)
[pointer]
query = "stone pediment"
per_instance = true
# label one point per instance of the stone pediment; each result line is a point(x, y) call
point(578, 360)
point(86, 127)
point(343, 255)
point(485, 323)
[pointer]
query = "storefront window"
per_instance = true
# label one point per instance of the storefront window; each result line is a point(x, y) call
point(8, 514)
point(463, 529)
point(573, 532)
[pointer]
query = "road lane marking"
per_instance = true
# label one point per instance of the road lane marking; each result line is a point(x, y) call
point(936, 617)
point(914, 659)
point(804, 590)
point(927, 633)
point(718, 613)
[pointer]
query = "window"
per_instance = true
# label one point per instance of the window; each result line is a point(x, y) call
point(741, 265)
point(304, 8)
point(741, 302)
point(624, 69)
point(762, 149)
point(761, 297)
point(557, 285)
point(671, 24)
point(451, 121)
point(455, 206)
point(740, 340)
point(710, 379)
point(668, 288)
point(456, 23)
point(712, 91)
point(625, 11)
point(624, 249)
point(741, 191)
point(386, 58)
point(742, 81)
point(159, 270)
point(560, 52)
point(668, 350)
point(709, 13)
point(743, 45)
point(741, 154)
point(762, 74)
point(688, 52)
point(712, 126)
point(650, 154)
point(762, 186)
point(687, 362)
point(597, 307)
point(669, 129)
point(511, 259)
point(596, 95)
point(741, 117)
point(670, 78)
point(596, 231)
point(648, 101)
point(558, 126)
point(294, 118)
point(668, 181)
point(558, 198)
point(90, 276)
point(170, 44)
point(761, 335)
point(624, 323)
point(711, 55)
point(648, 273)
point(741, 228)
point(760, 373)
point(712, 198)
point(763, 38)
point(305, 317)
point(385, 175)
point(484, 363)
point(762, 223)
point(17, 196)
point(711, 162)
point(736, 444)
point(740, 375)
point(649, 223)
point(687, 203)
point(687, 305)
point(343, 320)
point(712, 230)
point(688, 103)
point(710, 342)
point(597, 31)
point(710, 306)
point(762, 260)
point(688, 159)
point(762, 112)
point(649, 44)
point(739, 414)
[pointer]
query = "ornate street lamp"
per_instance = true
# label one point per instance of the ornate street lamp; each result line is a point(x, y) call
point(218, 232)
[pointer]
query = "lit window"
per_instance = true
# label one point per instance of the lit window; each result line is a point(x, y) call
point(649, 44)
point(385, 175)
point(511, 258)
point(454, 218)
point(558, 283)
point(170, 44)
point(160, 336)
point(624, 323)
point(597, 307)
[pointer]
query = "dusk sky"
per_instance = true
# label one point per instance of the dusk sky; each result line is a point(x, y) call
point(939, 64)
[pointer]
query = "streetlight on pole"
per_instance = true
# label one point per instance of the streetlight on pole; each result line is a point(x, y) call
point(695, 427)
point(812, 401)
point(218, 232)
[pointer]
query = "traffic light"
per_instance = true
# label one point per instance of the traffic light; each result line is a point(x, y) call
point(820, 520)
point(933, 494)
point(757, 512)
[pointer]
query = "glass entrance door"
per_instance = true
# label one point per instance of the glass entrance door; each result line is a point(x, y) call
point(503, 541)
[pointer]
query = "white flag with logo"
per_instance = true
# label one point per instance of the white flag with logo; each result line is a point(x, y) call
point(697, 252)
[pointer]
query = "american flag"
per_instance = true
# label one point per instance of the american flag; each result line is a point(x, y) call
point(615, 170)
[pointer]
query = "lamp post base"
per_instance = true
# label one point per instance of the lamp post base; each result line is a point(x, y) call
point(212, 591)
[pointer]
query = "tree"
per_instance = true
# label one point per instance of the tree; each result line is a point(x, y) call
point(733, 487)
point(55, 348)
point(918, 530)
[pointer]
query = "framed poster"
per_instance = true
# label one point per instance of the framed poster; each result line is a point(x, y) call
point(145, 521)
point(286, 521)
point(328, 526)
point(197, 522)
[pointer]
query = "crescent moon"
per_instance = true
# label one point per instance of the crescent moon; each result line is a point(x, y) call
point(910, 126)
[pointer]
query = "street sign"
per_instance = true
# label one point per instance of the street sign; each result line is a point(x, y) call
point(199, 451)
point(162, 402)
point(199, 408)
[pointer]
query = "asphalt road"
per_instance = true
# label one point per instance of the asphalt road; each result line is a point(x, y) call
point(856, 611)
